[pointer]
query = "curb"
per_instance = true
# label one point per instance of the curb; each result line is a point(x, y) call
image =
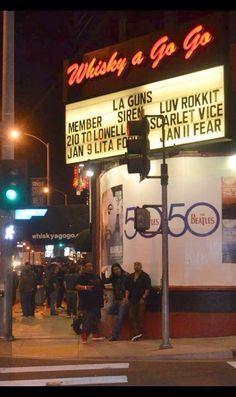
point(222, 356)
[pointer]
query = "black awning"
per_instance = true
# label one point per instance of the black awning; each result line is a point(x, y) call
point(60, 224)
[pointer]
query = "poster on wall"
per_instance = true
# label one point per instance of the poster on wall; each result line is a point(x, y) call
point(112, 226)
point(228, 219)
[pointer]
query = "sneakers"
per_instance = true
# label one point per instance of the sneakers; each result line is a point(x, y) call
point(136, 337)
point(84, 337)
point(96, 336)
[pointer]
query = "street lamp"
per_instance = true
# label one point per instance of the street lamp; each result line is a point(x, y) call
point(46, 191)
point(15, 134)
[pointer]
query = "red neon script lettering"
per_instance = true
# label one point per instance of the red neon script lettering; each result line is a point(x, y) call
point(160, 49)
point(194, 39)
point(138, 58)
point(77, 73)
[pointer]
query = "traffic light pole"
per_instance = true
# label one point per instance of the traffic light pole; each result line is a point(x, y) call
point(7, 152)
point(165, 262)
point(6, 284)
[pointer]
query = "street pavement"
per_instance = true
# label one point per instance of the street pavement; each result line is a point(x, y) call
point(52, 337)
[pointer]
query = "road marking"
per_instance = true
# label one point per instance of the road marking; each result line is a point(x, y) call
point(232, 363)
point(78, 367)
point(66, 381)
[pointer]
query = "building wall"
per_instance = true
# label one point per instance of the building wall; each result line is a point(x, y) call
point(202, 247)
point(202, 221)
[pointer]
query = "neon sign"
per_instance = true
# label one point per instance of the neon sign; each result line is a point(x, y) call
point(164, 47)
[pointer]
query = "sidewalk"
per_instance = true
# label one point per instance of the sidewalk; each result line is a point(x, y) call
point(51, 337)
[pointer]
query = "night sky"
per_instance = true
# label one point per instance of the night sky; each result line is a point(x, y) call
point(43, 40)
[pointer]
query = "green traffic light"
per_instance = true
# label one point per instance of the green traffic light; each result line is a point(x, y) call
point(11, 194)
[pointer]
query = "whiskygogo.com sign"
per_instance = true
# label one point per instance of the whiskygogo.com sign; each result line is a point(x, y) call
point(193, 106)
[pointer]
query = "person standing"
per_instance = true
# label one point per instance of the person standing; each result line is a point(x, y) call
point(53, 287)
point(15, 283)
point(70, 282)
point(137, 290)
point(90, 288)
point(26, 286)
point(120, 304)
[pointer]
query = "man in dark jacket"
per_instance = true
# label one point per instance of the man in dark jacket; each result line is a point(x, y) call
point(71, 279)
point(137, 289)
point(26, 286)
point(53, 286)
point(120, 305)
point(90, 287)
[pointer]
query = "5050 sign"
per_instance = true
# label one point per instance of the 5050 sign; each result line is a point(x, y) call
point(200, 219)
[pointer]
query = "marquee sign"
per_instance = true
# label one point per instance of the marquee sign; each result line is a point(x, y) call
point(193, 105)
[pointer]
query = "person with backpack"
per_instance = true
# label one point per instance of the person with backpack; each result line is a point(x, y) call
point(90, 290)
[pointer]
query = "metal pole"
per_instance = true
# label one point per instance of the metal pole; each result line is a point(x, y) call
point(7, 84)
point(7, 277)
point(165, 277)
point(64, 195)
point(92, 219)
point(48, 174)
point(90, 201)
point(7, 153)
point(47, 146)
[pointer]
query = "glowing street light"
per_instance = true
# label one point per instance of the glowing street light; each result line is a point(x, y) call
point(16, 134)
point(46, 191)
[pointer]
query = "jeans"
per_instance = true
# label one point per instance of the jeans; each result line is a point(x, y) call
point(136, 314)
point(53, 301)
point(71, 300)
point(26, 303)
point(120, 309)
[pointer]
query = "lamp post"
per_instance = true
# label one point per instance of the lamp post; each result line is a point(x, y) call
point(64, 194)
point(46, 190)
point(46, 145)
point(14, 134)
point(89, 174)
point(7, 153)
point(165, 254)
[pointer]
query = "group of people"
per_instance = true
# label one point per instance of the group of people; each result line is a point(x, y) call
point(84, 292)
point(130, 292)
point(53, 284)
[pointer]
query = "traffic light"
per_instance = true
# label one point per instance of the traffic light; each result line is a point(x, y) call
point(13, 184)
point(141, 219)
point(138, 147)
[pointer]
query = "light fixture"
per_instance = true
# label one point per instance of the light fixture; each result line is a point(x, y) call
point(89, 173)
